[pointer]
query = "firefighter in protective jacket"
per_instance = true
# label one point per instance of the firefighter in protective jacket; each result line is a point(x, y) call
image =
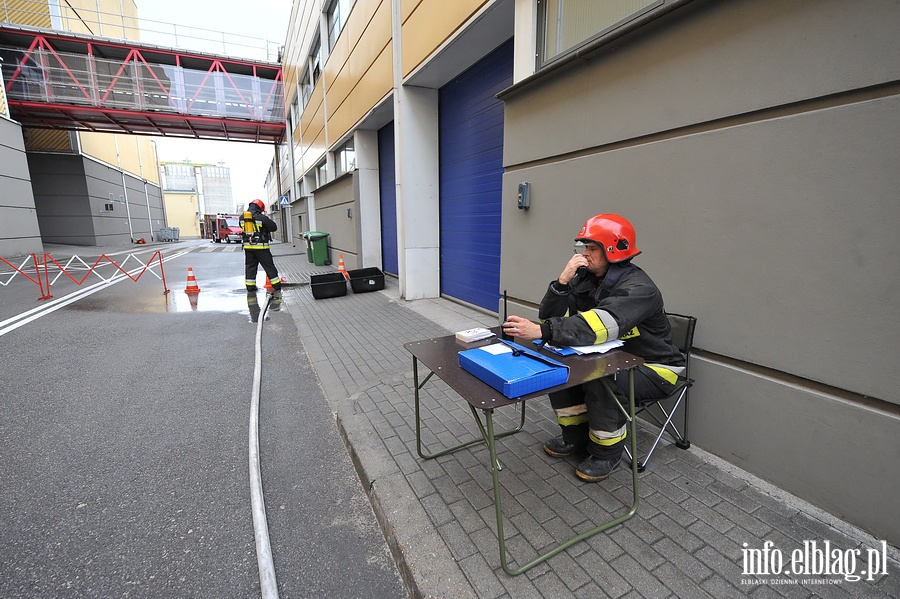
point(257, 231)
point(600, 296)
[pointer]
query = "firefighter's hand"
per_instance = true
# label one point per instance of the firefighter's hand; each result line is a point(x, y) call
point(568, 273)
point(522, 328)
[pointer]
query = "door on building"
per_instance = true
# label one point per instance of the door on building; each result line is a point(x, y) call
point(471, 172)
point(388, 191)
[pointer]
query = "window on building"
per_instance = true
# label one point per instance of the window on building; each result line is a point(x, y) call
point(566, 25)
point(345, 158)
point(315, 62)
point(295, 109)
point(337, 16)
point(305, 88)
point(321, 174)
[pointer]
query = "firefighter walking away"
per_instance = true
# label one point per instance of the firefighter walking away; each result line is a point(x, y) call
point(257, 229)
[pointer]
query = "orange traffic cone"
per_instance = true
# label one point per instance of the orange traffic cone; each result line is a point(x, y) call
point(269, 287)
point(341, 268)
point(191, 282)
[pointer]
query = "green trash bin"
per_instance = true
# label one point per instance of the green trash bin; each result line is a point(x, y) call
point(319, 248)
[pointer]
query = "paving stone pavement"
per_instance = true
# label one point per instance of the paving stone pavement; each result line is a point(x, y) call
point(698, 515)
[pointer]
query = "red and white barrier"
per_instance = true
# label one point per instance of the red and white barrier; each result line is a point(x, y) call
point(43, 265)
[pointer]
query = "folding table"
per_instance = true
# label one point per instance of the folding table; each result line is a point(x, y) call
point(439, 355)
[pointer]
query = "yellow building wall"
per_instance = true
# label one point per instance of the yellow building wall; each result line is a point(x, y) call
point(297, 48)
point(312, 126)
point(358, 58)
point(51, 140)
point(357, 75)
point(149, 158)
point(27, 12)
point(426, 24)
point(181, 212)
point(137, 153)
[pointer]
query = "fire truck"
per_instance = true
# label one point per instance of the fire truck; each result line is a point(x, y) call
point(222, 227)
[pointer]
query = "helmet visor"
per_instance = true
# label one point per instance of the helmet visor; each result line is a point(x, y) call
point(581, 245)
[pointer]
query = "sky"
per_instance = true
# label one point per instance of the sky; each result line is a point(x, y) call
point(240, 28)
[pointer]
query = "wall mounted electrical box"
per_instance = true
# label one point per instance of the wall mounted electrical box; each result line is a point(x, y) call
point(524, 194)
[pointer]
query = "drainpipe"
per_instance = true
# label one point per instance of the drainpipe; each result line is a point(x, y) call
point(124, 187)
point(146, 193)
point(100, 21)
point(162, 183)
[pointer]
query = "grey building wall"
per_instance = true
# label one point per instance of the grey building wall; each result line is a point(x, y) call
point(72, 194)
point(754, 146)
point(333, 200)
point(19, 231)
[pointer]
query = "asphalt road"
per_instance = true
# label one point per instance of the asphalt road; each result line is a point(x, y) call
point(124, 461)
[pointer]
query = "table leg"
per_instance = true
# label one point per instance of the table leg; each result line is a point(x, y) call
point(498, 508)
point(481, 439)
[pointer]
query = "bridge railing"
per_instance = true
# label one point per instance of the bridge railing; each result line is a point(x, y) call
point(63, 17)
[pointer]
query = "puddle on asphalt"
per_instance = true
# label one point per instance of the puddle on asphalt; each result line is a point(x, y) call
point(209, 299)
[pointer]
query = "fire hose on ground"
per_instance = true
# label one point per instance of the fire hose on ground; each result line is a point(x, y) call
point(267, 582)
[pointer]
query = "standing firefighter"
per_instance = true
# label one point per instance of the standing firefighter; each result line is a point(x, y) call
point(257, 232)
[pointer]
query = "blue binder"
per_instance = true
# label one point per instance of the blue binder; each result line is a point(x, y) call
point(512, 369)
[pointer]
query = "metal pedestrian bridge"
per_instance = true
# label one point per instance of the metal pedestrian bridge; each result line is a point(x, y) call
point(70, 81)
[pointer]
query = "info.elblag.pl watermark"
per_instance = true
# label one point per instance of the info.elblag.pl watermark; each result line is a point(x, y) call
point(814, 563)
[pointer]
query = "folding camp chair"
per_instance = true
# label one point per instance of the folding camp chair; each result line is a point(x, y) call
point(683, 337)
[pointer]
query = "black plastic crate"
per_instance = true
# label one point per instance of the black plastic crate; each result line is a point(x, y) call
point(332, 284)
point(366, 279)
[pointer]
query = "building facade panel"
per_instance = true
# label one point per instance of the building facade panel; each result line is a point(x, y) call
point(360, 16)
point(369, 91)
point(28, 12)
point(431, 23)
point(705, 62)
point(312, 121)
point(297, 45)
point(336, 63)
point(810, 444)
point(19, 231)
point(47, 139)
point(375, 84)
point(336, 208)
point(372, 42)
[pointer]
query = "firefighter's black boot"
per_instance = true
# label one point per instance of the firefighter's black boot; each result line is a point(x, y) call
point(598, 467)
point(574, 438)
point(558, 448)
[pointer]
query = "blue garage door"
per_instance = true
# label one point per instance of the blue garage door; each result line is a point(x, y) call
point(388, 191)
point(471, 169)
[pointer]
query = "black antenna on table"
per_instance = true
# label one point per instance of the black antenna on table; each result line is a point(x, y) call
point(503, 335)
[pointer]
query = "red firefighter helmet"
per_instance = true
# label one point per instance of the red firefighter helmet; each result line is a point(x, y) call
point(259, 204)
point(612, 233)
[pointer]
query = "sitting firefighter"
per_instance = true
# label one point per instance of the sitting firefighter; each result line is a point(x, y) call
point(257, 233)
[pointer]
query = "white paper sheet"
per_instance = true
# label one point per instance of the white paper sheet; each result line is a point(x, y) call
point(600, 348)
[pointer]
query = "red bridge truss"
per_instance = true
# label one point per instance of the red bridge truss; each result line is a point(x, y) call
point(70, 81)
